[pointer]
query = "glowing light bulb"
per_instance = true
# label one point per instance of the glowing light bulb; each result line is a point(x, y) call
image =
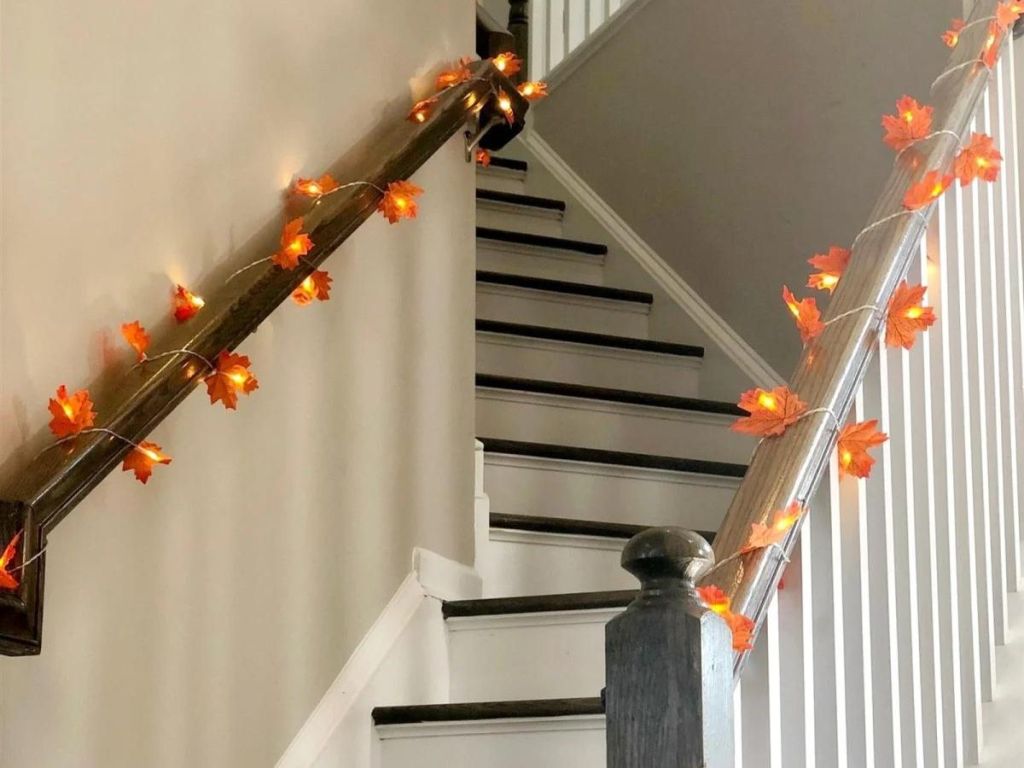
point(908, 116)
point(846, 458)
point(937, 190)
point(307, 285)
point(794, 308)
point(311, 188)
point(913, 313)
point(719, 608)
point(151, 455)
point(68, 410)
point(401, 202)
point(829, 281)
point(767, 400)
point(238, 379)
point(505, 104)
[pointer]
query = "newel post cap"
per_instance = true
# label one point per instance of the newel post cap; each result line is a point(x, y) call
point(667, 553)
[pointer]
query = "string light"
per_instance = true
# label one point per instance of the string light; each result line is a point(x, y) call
point(230, 378)
point(316, 287)
point(452, 77)
point(316, 188)
point(951, 37)
point(8, 581)
point(71, 414)
point(533, 90)
point(927, 191)
point(507, 63)
point(505, 106)
point(186, 304)
point(482, 157)
point(137, 338)
point(294, 245)
point(830, 268)
point(771, 411)
point(399, 201)
point(422, 110)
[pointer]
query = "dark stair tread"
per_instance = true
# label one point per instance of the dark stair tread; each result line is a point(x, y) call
point(619, 458)
point(585, 392)
point(563, 286)
point(541, 241)
point(509, 164)
point(487, 710)
point(572, 601)
point(515, 198)
point(593, 339)
point(571, 526)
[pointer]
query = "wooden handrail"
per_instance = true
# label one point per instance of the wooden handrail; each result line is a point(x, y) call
point(41, 492)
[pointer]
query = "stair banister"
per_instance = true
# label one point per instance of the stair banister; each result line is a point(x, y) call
point(830, 372)
point(38, 494)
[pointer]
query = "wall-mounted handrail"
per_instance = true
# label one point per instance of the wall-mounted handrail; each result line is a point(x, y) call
point(48, 487)
point(832, 369)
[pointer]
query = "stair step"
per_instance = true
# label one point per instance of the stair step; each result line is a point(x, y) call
point(565, 526)
point(556, 733)
point(514, 211)
point(609, 486)
point(503, 174)
point(543, 410)
point(528, 647)
point(509, 164)
point(542, 302)
point(524, 253)
point(591, 339)
point(516, 198)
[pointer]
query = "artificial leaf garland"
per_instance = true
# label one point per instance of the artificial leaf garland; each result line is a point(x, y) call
point(927, 190)
point(482, 157)
point(456, 76)
point(294, 245)
point(136, 337)
point(910, 124)
point(763, 535)
point(771, 411)
point(505, 107)
point(507, 63)
point(1008, 13)
point(399, 201)
point(533, 90)
point(951, 37)
point(316, 188)
point(830, 268)
point(71, 413)
point(186, 304)
point(8, 580)
point(978, 160)
point(422, 110)
point(316, 287)
point(740, 626)
point(142, 458)
point(906, 316)
point(230, 378)
point(853, 445)
point(993, 42)
point(806, 314)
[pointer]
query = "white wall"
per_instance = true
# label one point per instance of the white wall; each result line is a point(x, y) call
point(198, 620)
point(738, 138)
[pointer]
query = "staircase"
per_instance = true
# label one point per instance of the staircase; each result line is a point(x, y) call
point(591, 431)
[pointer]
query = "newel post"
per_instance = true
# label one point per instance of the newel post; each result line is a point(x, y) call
point(519, 26)
point(669, 688)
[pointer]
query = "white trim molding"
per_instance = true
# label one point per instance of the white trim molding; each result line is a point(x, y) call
point(409, 633)
point(709, 321)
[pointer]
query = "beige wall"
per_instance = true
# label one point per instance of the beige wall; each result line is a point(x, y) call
point(737, 138)
point(197, 620)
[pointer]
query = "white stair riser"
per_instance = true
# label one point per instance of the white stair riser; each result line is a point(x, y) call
point(523, 485)
point(519, 218)
point(501, 180)
point(529, 563)
point(542, 743)
point(598, 366)
point(559, 310)
point(612, 426)
point(551, 263)
point(562, 655)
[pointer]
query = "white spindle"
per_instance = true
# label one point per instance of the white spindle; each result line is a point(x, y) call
point(796, 660)
point(762, 734)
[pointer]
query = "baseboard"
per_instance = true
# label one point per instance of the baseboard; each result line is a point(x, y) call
point(402, 659)
point(720, 333)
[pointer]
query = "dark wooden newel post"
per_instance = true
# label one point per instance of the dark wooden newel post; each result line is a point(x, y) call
point(519, 26)
point(669, 662)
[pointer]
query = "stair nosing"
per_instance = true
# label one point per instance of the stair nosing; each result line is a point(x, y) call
point(568, 601)
point(548, 333)
point(564, 287)
point(541, 241)
point(520, 199)
point(486, 710)
point(568, 526)
point(605, 394)
point(612, 458)
point(508, 164)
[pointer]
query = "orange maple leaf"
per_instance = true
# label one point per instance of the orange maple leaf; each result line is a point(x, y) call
point(186, 304)
point(978, 160)
point(771, 411)
point(136, 337)
point(742, 630)
point(142, 458)
point(714, 598)
point(7, 579)
point(830, 268)
point(316, 287)
point(927, 190)
point(533, 90)
point(398, 202)
point(808, 318)
point(71, 414)
point(1008, 13)
point(854, 442)
point(483, 157)
point(952, 35)
point(507, 63)
point(911, 123)
point(906, 316)
point(231, 378)
point(294, 245)
point(421, 110)
point(762, 535)
point(993, 44)
point(459, 74)
point(316, 188)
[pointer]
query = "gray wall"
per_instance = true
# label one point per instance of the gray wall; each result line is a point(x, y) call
point(738, 138)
